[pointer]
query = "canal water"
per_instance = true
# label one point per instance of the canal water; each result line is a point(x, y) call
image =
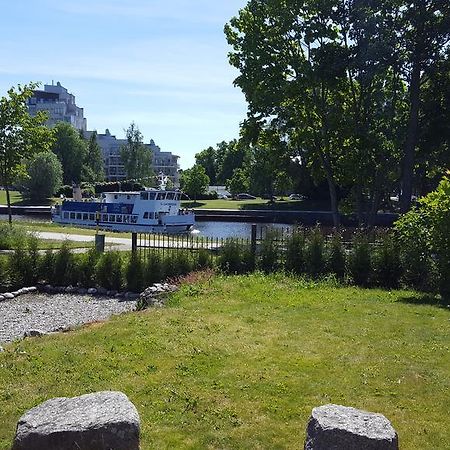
point(207, 229)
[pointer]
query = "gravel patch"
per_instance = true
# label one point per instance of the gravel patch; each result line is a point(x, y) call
point(49, 313)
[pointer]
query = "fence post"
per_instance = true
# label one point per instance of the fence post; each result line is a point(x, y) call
point(253, 240)
point(133, 242)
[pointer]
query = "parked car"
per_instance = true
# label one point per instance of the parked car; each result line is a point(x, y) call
point(268, 197)
point(245, 197)
point(223, 196)
point(295, 197)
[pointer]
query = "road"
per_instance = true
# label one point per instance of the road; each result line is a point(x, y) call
point(115, 243)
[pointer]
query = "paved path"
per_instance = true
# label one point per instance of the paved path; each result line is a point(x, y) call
point(116, 242)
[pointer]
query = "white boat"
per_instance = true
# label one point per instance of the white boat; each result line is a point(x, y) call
point(148, 211)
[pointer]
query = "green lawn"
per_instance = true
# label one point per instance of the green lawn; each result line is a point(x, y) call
point(294, 205)
point(239, 362)
point(15, 197)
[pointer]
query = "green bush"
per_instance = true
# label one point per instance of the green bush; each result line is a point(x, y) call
point(386, 261)
point(360, 261)
point(134, 273)
point(425, 237)
point(203, 259)
point(269, 252)
point(108, 270)
point(236, 257)
point(46, 267)
point(85, 268)
point(295, 253)
point(153, 268)
point(177, 263)
point(315, 258)
point(336, 260)
point(63, 266)
point(11, 237)
point(23, 264)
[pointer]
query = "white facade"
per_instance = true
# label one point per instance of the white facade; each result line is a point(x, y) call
point(164, 162)
point(59, 104)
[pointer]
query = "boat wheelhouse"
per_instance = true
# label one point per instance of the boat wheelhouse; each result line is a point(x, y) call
point(149, 211)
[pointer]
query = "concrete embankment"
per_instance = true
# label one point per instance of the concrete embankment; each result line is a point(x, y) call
point(292, 217)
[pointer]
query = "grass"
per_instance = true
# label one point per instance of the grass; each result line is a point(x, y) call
point(239, 362)
point(17, 199)
point(293, 205)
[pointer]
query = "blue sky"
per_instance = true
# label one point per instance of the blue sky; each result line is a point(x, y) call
point(162, 64)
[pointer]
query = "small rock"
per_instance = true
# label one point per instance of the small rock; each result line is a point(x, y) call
point(2, 298)
point(1, 349)
point(68, 289)
point(111, 293)
point(15, 293)
point(102, 291)
point(60, 289)
point(101, 421)
point(8, 295)
point(344, 428)
point(48, 288)
point(32, 289)
point(92, 291)
point(131, 296)
point(82, 291)
point(119, 295)
point(34, 333)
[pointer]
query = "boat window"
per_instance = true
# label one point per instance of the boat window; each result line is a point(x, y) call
point(91, 216)
point(156, 215)
point(146, 215)
point(126, 219)
point(160, 196)
point(144, 195)
point(105, 218)
point(151, 215)
point(78, 216)
point(118, 218)
point(112, 218)
point(66, 215)
point(128, 197)
point(115, 196)
point(151, 195)
point(85, 216)
point(133, 219)
point(72, 215)
point(170, 195)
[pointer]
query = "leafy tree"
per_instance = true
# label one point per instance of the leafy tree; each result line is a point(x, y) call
point(20, 135)
point(208, 159)
point(230, 156)
point(424, 29)
point(425, 231)
point(239, 182)
point(93, 169)
point(194, 181)
point(136, 156)
point(44, 176)
point(71, 150)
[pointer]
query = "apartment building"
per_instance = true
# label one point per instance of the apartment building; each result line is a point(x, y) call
point(59, 104)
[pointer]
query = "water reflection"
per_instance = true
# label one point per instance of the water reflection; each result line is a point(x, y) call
point(232, 229)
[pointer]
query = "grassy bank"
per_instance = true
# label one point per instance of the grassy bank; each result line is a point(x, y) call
point(258, 203)
point(238, 362)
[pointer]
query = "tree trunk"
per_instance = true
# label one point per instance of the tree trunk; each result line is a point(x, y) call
point(8, 202)
point(411, 139)
point(331, 190)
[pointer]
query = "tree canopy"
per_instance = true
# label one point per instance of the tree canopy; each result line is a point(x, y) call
point(194, 181)
point(21, 135)
point(136, 156)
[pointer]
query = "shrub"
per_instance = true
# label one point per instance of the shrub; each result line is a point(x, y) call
point(235, 257)
point(315, 259)
point(153, 268)
point(177, 263)
point(63, 266)
point(134, 273)
point(360, 264)
point(203, 259)
point(23, 263)
point(295, 253)
point(269, 253)
point(85, 265)
point(425, 235)
point(336, 261)
point(11, 237)
point(386, 261)
point(108, 270)
point(46, 267)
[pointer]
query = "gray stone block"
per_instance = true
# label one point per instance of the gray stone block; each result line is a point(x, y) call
point(8, 295)
point(101, 421)
point(335, 427)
